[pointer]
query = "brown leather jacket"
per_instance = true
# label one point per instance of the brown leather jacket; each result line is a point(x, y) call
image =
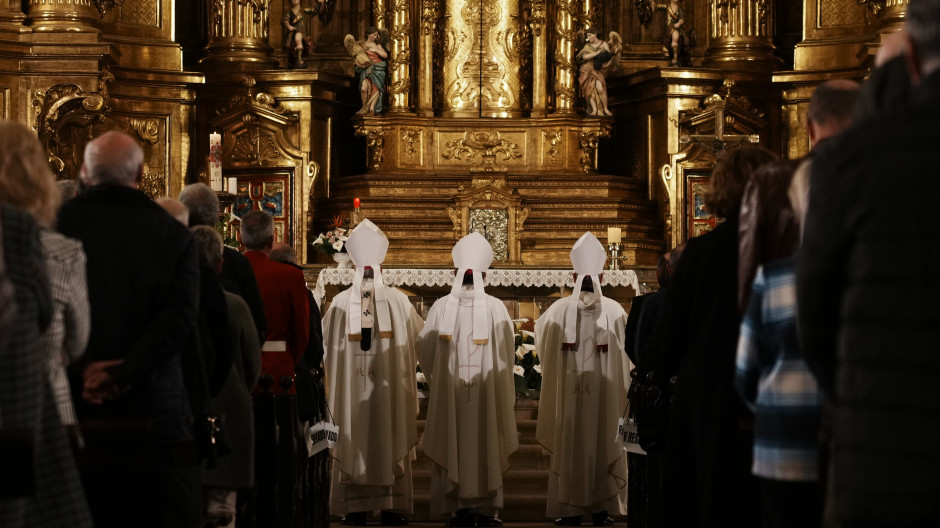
point(768, 229)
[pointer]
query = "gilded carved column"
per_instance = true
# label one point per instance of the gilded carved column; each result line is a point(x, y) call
point(565, 71)
point(741, 34)
point(72, 16)
point(238, 35)
point(430, 12)
point(399, 66)
point(539, 48)
point(482, 44)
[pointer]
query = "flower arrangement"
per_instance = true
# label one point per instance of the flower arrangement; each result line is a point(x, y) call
point(334, 240)
point(528, 369)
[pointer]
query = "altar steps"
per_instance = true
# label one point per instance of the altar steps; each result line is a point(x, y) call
point(525, 484)
point(412, 210)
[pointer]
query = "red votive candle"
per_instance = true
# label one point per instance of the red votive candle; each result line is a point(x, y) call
point(356, 203)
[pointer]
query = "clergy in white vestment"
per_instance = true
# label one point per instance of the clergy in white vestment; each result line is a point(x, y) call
point(369, 335)
point(466, 351)
point(584, 393)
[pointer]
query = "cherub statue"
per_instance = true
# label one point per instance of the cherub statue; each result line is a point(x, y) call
point(371, 59)
point(296, 38)
point(677, 41)
point(594, 60)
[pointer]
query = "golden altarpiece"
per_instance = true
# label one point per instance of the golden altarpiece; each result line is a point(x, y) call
point(484, 124)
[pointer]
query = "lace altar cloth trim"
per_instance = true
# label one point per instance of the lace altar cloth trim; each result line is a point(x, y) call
point(557, 278)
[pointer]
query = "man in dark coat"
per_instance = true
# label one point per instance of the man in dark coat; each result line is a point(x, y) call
point(867, 298)
point(143, 285)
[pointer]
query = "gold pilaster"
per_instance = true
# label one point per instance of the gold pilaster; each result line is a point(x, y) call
point(741, 34)
point(72, 16)
point(238, 35)
point(430, 13)
point(565, 71)
point(539, 47)
point(399, 92)
point(461, 80)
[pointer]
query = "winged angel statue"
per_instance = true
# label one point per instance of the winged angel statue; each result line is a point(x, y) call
point(594, 60)
point(371, 57)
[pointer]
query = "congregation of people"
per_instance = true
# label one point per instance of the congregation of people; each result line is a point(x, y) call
point(781, 376)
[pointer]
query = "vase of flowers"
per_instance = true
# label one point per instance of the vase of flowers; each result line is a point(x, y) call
point(333, 242)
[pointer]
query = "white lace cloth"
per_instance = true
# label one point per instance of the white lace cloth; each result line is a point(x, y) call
point(558, 278)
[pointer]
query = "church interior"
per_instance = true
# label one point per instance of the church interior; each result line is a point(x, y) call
point(482, 124)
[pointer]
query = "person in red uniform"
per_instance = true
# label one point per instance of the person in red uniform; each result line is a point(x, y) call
point(284, 295)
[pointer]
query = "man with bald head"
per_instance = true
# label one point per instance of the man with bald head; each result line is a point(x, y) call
point(143, 284)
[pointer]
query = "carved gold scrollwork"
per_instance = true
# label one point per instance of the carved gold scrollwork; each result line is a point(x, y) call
point(65, 116)
point(153, 184)
point(588, 148)
point(537, 17)
point(256, 145)
point(375, 143)
point(147, 129)
point(484, 143)
point(430, 13)
point(551, 140)
point(411, 143)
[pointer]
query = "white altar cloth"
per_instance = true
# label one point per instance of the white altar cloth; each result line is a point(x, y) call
point(558, 278)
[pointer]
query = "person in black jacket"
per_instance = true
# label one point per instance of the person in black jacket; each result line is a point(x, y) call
point(237, 275)
point(707, 476)
point(143, 285)
point(867, 298)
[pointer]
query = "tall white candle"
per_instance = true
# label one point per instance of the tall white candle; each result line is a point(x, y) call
point(233, 185)
point(215, 161)
point(613, 235)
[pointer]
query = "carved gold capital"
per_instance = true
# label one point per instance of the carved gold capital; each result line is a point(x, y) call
point(587, 141)
point(375, 144)
point(238, 33)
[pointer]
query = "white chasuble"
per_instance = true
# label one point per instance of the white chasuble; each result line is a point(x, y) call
point(373, 398)
point(471, 425)
point(584, 393)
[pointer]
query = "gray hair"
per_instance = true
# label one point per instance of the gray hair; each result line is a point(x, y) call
point(283, 253)
point(257, 230)
point(923, 25)
point(113, 158)
point(208, 245)
point(69, 189)
point(174, 208)
point(203, 204)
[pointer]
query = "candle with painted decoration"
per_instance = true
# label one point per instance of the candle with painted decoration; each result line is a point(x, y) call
point(215, 161)
point(613, 235)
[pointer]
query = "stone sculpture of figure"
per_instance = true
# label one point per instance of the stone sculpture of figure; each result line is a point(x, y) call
point(296, 37)
point(371, 59)
point(594, 59)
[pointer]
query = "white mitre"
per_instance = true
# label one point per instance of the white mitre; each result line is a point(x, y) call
point(587, 257)
point(473, 253)
point(367, 246)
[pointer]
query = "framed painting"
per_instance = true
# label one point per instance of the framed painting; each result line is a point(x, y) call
point(268, 191)
point(698, 219)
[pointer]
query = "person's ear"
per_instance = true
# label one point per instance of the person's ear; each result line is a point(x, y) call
point(811, 132)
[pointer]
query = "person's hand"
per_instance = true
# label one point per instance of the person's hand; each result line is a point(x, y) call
point(98, 384)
